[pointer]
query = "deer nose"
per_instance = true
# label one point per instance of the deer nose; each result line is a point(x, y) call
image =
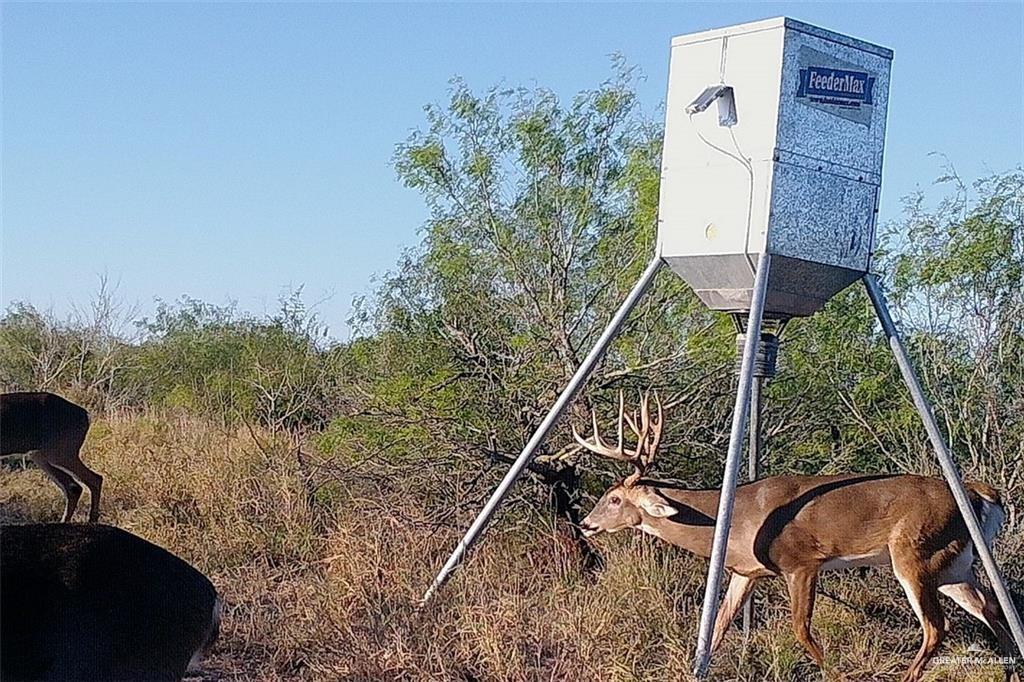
point(587, 529)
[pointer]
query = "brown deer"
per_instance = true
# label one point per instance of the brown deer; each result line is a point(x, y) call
point(51, 431)
point(89, 602)
point(797, 526)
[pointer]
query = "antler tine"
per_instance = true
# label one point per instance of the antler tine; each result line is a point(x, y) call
point(639, 424)
point(622, 411)
point(651, 447)
point(632, 420)
point(645, 423)
point(599, 447)
point(632, 423)
point(647, 431)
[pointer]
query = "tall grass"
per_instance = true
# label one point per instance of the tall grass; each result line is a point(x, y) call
point(322, 582)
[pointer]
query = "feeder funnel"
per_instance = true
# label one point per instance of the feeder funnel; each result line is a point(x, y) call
point(773, 144)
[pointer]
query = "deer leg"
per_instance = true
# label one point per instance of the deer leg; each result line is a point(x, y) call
point(801, 586)
point(740, 588)
point(977, 601)
point(924, 599)
point(92, 480)
point(68, 485)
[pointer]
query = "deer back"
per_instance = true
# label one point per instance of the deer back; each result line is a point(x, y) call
point(93, 602)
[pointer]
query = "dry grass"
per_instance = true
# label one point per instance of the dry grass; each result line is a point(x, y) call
point(323, 586)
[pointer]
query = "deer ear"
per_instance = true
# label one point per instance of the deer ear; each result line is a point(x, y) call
point(656, 509)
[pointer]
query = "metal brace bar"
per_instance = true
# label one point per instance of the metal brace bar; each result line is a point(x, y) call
point(753, 471)
point(733, 461)
point(575, 383)
point(949, 469)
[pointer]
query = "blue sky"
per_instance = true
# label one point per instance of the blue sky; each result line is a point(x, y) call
point(230, 151)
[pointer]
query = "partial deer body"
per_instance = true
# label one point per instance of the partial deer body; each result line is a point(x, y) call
point(92, 602)
point(798, 526)
point(51, 431)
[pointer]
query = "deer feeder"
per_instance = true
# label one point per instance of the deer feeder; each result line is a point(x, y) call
point(789, 162)
point(771, 171)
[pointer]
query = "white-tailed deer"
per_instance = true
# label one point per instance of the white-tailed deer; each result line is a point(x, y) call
point(797, 526)
point(51, 431)
point(89, 602)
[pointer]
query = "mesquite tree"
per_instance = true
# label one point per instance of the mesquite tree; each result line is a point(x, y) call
point(542, 215)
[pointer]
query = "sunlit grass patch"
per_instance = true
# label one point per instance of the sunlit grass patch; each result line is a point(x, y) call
point(326, 586)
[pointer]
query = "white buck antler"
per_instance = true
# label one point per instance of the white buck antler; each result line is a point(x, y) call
point(647, 432)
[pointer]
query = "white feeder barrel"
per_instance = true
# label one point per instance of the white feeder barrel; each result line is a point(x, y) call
point(783, 155)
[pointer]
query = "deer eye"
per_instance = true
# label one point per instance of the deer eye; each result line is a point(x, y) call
point(615, 500)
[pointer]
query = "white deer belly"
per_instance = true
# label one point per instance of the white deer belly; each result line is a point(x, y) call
point(879, 558)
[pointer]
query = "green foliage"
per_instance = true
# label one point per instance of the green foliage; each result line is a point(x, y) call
point(23, 338)
point(527, 254)
point(277, 371)
point(280, 371)
point(82, 357)
point(970, 245)
point(960, 270)
point(543, 214)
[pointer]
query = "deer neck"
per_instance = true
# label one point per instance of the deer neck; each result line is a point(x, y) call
point(692, 527)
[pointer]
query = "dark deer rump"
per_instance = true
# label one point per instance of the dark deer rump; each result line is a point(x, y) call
point(93, 602)
point(31, 421)
point(51, 431)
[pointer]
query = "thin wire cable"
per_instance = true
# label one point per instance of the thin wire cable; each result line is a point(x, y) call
point(743, 161)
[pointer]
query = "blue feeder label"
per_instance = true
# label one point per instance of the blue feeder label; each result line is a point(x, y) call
point(835, 86)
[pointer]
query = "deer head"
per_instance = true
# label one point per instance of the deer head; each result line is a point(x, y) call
point(625, 503)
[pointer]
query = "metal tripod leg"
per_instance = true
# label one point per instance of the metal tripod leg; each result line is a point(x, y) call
point(577, 381)
point(753, 471)
point(732, 469)
point(946, 462)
